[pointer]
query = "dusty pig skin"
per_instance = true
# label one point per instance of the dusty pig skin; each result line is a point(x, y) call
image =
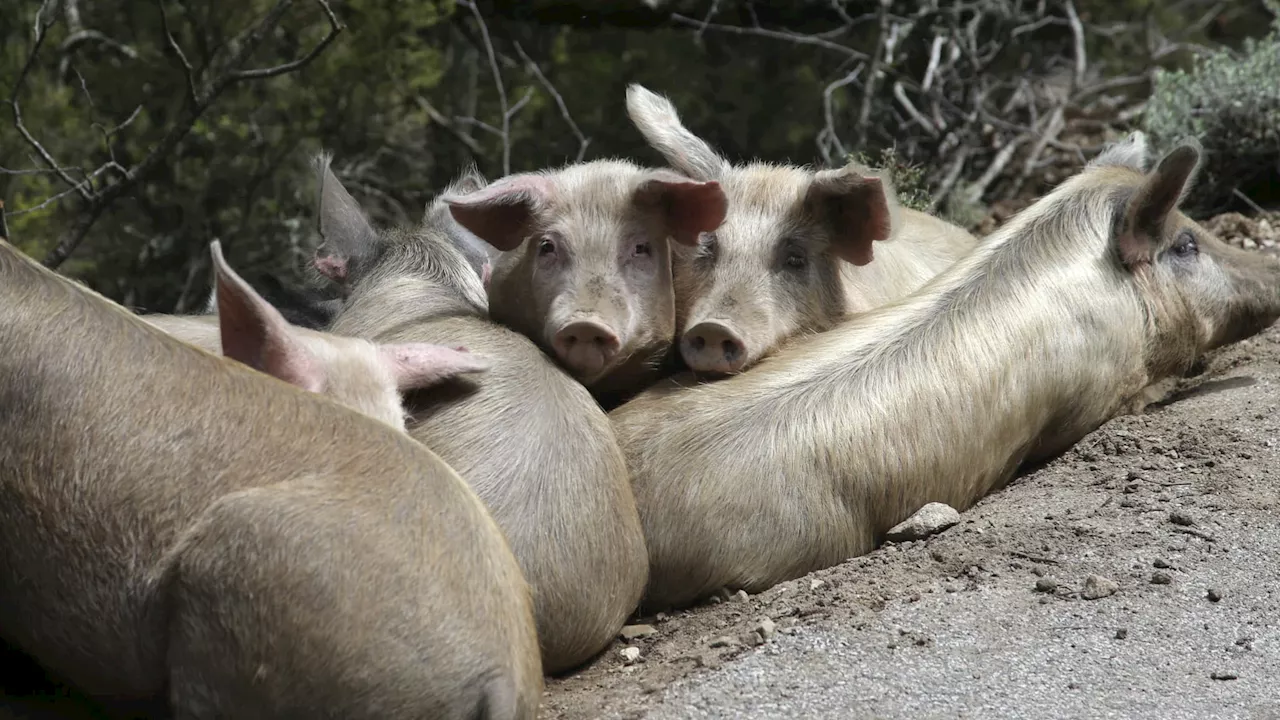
point(1056, 323)
point(797, 251)
point(169, 536)
point(366, 377)
point(582, 262)
point(529, 438)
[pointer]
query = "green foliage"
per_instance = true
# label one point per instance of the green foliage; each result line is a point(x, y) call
point(910, 181)
point(1230, 102)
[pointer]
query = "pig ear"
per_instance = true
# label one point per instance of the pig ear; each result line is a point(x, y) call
point(856, 209)
point(501, 214)
point(689, 207)
point(420, 365)
point(657, 120)
point(256, 334)
point(347, 235)
point(1149, 209)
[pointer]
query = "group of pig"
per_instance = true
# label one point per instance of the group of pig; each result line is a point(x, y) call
point(562, 397)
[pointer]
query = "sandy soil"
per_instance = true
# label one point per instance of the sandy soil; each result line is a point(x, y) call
point(1179, 507)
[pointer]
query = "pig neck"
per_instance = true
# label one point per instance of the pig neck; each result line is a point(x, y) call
point(384, 306)
point(1020, 349)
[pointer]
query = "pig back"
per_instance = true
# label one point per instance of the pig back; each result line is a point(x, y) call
point(541, 454)
point(117, 437)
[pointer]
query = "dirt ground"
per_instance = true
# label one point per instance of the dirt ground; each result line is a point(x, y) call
point(1178, 507)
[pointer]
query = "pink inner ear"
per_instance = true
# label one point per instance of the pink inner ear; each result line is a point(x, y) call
point(486, 271)
point(256, 334)
point(331, 267)
point(420, 365)
point(501, 214)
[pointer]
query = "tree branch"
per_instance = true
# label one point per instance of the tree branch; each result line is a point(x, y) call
point(505, 132)
point(583, 140)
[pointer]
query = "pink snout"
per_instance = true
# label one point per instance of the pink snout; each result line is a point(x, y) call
point(713, 347)
point(586, 347)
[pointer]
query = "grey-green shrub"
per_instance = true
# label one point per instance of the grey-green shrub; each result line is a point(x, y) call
point(1230, 102)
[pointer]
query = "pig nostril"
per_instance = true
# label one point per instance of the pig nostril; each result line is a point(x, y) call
point(698, 342)
point(732, 350)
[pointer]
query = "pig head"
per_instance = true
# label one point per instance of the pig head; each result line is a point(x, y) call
point(583, 264)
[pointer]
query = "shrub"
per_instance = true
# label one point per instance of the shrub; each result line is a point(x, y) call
point(909, 181)
point(1230, 102)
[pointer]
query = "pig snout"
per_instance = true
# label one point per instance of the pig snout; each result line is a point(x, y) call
point(586, 346)
point(713, 347)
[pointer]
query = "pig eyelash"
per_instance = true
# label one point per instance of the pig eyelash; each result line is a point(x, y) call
point(1186, 246)
point(546, 246)
point(641, 250)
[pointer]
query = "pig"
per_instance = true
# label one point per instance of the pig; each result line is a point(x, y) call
point(794, 255)
point(1057, 322)
point(530, 439)
point(366, 377)
point(582, 262)
point(183, 534)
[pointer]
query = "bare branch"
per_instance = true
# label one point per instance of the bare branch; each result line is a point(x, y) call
point(192, 93)
point(583, 140)
point(775, 34)
point(445, 123)
point(4, 224)
point(505, 133)
point(335, 27)
point(829, 131)
point(1077, 32)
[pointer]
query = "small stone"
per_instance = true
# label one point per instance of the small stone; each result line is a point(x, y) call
point(766, 628)
point(1122, 633)
point(752, 638)
point(1223, 675)
point(1097, 587)
point(1214, 595)
point(741, 596)
point(631, 632)
point(815, 583)
point(1133, 475)
point(1162, 564)
point(1046, 585)
point(629, 654)
point(723, 641)
point(708, 661)
point(1181, 518)
point(661, 617)
point(928, 520)
point(1161, 578)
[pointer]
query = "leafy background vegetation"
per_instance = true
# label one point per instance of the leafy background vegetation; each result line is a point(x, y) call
point(975, 106)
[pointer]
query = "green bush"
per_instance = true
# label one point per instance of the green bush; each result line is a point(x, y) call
point(1230, 102)
point(909, 181)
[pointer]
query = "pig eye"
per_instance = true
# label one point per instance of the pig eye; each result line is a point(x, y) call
point(546, 246)
point(796, 258)
point(641, 250)
point(1186, 246)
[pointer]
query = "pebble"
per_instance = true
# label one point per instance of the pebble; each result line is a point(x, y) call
point(928, 520)
point(723, 641)
point(1097, 587)
point(1046, 585)
point(1162, 564)
point(1214, 595)
point(1122, 633)
point(629, 654)
point(741, 596)
point(1221, 675)
point(1181, 518)
point(766, 629)
point(631, 632)
point(1161, 578)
